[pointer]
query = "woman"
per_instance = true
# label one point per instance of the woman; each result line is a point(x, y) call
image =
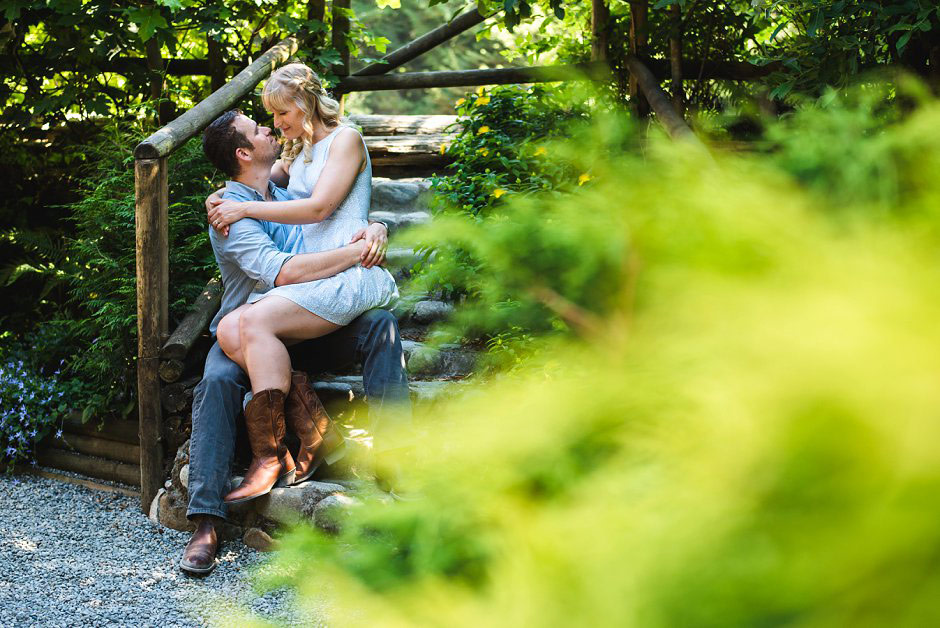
point(330, 178)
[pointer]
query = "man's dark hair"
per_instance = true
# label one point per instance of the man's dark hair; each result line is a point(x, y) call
point(221, 139)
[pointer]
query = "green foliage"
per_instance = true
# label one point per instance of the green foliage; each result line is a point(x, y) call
point(500, 149)
point(748, 435)
point(97, 333)
point(70, 59)
point(508, 149)
point(831, 42)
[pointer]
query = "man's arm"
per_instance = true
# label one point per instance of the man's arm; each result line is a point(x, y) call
point(310, 266)
point(368, 246)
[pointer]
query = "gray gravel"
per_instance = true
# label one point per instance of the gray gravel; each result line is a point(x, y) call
point(75, 556)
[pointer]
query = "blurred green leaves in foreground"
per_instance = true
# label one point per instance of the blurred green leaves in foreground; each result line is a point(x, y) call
point(746, 432)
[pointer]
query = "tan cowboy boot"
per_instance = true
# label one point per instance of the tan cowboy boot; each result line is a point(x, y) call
point(272, 463)
point(320, 441)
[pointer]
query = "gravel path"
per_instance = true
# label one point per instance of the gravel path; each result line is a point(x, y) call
point(75, 556)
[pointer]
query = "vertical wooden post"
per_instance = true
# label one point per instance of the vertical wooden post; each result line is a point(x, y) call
point(675, 56)
point(600, 15)
point(339, 30)
point(216, 63)
point(150, 181)
point(639, 35)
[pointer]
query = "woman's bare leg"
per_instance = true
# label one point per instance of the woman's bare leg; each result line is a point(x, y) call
point(229, 336)
point(264, 328)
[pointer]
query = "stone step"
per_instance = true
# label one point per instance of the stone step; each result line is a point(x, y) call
point(339, 392)
point(400, 196)
point(403, 124)
point(397, 221)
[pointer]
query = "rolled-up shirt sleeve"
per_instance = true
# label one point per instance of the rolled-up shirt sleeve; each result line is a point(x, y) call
point(252, 249)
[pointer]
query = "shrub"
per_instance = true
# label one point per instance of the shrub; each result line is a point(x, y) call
point(747, 435)
point(97, 334)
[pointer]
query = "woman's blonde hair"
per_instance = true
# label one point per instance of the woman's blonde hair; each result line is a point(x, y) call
point(296, 84)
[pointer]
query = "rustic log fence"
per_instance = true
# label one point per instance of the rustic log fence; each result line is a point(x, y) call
point(161, 355)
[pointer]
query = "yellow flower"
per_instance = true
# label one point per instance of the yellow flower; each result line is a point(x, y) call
point(443, 148)
point(460, 101)
point(540, 151)
point(483, 151)
point(584, 178)
point(480, 90)
point(498, 192)
point(483, 129)
point(483, 100)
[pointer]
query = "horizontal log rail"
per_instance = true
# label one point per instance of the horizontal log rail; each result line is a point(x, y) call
point(195, 322)
point(419, 46)
point(692, 69)
point(174, 134)
point(468, 78)
point(595, 70)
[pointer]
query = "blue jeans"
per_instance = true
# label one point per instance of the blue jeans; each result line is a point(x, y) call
point(372, 339)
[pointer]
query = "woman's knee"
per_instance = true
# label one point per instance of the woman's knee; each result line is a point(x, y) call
point(227, 333)
point(253, 324)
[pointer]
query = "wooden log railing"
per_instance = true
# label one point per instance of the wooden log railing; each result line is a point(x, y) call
point(150, 181)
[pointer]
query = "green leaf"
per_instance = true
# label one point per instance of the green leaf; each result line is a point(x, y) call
point(902, 42)
point(395, 4)
point(148, 20)
point(815, 24)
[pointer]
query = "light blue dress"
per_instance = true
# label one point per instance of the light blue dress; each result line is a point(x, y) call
point(344, 296)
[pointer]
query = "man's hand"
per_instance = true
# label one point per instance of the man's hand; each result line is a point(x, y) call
point(225, 213)
point(376, 244)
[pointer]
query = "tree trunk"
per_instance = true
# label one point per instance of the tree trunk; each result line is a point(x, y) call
point(600, 16)
point(639, 36)
point(216, 63)
point(675, 57)
point(339, 30)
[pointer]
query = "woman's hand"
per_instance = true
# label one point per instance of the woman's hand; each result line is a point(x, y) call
point(214, 199)
point(225, 213)
point(376, 244)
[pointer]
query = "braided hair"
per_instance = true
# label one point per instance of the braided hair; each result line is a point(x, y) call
point(296, 84)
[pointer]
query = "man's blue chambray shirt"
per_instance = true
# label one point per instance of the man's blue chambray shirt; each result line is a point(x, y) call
point(254, 250)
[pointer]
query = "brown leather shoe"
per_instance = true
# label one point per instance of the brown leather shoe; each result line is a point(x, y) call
point(272, 463)
point(199, 555)
point(320, 440)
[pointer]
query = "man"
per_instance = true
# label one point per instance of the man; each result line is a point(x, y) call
point(258, 250)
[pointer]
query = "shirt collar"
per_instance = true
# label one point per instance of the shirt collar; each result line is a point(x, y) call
point(243, 190)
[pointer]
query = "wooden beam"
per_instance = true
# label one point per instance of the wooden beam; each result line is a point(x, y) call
point(95, 467)
point(100, 447)
point(120, 430)
point(151, 226)
point(422, 44)
point(659, 102)
point(467, 78)
point(173, 135)
point(717, 70)
point(194, 324)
